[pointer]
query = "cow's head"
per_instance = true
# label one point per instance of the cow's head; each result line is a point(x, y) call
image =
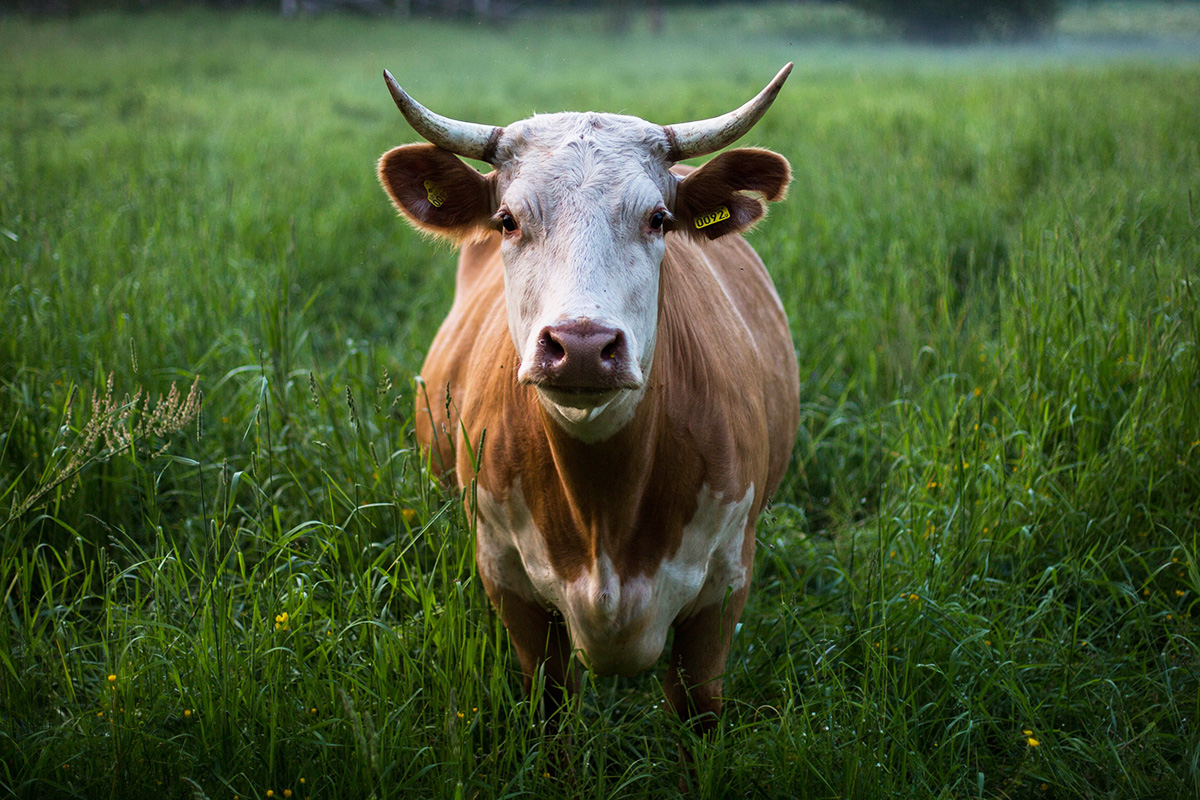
point(582, 203)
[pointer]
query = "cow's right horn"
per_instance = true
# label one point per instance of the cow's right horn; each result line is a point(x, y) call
point(691, 139)
point(467, 139)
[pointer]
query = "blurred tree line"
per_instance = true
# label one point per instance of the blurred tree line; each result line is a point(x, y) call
point(964, 20)
point(946, 21)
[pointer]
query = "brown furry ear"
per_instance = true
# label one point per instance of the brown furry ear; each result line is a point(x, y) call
point(436, 191)
point(712, 201)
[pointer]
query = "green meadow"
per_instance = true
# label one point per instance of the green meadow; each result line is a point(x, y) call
point(226, 574)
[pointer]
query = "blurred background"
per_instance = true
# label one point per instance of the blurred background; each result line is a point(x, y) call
point(224, 571)
point(941, 21)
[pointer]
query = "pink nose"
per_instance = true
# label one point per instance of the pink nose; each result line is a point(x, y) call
point(581, 355)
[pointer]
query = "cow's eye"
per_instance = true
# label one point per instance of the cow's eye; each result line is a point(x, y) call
point(657, 219)
point(507, 221)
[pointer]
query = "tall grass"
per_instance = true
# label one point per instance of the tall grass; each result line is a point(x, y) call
point(979, 576)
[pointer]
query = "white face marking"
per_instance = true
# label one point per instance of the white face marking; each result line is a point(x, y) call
point(618, 626)
point(582, 188)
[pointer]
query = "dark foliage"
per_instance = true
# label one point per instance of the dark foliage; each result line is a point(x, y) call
point(929, 20)
point(952, 21)
point(433, 8)
point(57, 8)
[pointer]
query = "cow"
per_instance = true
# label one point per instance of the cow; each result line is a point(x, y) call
point(615, 387)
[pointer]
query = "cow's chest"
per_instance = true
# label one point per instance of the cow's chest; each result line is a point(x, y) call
point(618, 623)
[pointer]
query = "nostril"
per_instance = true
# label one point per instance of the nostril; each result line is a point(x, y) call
point(551, 347)
point(613, 349)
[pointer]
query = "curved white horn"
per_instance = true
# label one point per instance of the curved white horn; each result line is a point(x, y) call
point(691, 139)
point(462, 138)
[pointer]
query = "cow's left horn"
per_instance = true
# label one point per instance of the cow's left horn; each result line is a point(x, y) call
point(462, 138)
point(691, 139)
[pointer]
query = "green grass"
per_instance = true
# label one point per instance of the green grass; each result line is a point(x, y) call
point(990, 525)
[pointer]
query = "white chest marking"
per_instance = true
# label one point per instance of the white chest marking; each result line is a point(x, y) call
point(618, 626)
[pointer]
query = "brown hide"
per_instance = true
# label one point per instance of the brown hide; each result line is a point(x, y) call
point(721, 409)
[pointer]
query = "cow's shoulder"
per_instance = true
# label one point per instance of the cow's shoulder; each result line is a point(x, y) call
point(730, 370)
point(474, 329)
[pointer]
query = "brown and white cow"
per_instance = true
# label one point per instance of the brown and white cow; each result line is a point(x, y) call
point(629, 360)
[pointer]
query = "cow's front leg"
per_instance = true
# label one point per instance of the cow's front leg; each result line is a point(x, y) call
point(694, 682)
point(698, 657)
point(697, 662)
point(542, 643)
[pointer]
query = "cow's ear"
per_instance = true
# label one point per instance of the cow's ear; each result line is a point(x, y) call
point(714, 200)
point(437, 192)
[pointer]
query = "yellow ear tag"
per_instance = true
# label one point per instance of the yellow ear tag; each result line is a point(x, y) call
point(436, 198)
point(720, 215)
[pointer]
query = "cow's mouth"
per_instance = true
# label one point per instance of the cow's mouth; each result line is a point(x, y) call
point(578, 396)
point(578, 390)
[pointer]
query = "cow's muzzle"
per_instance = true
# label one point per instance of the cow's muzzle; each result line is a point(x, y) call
point(581, 358)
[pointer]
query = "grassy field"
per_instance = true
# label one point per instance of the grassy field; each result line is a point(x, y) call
point(978, 579)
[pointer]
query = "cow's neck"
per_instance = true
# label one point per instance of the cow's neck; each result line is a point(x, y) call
point(606, 484)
